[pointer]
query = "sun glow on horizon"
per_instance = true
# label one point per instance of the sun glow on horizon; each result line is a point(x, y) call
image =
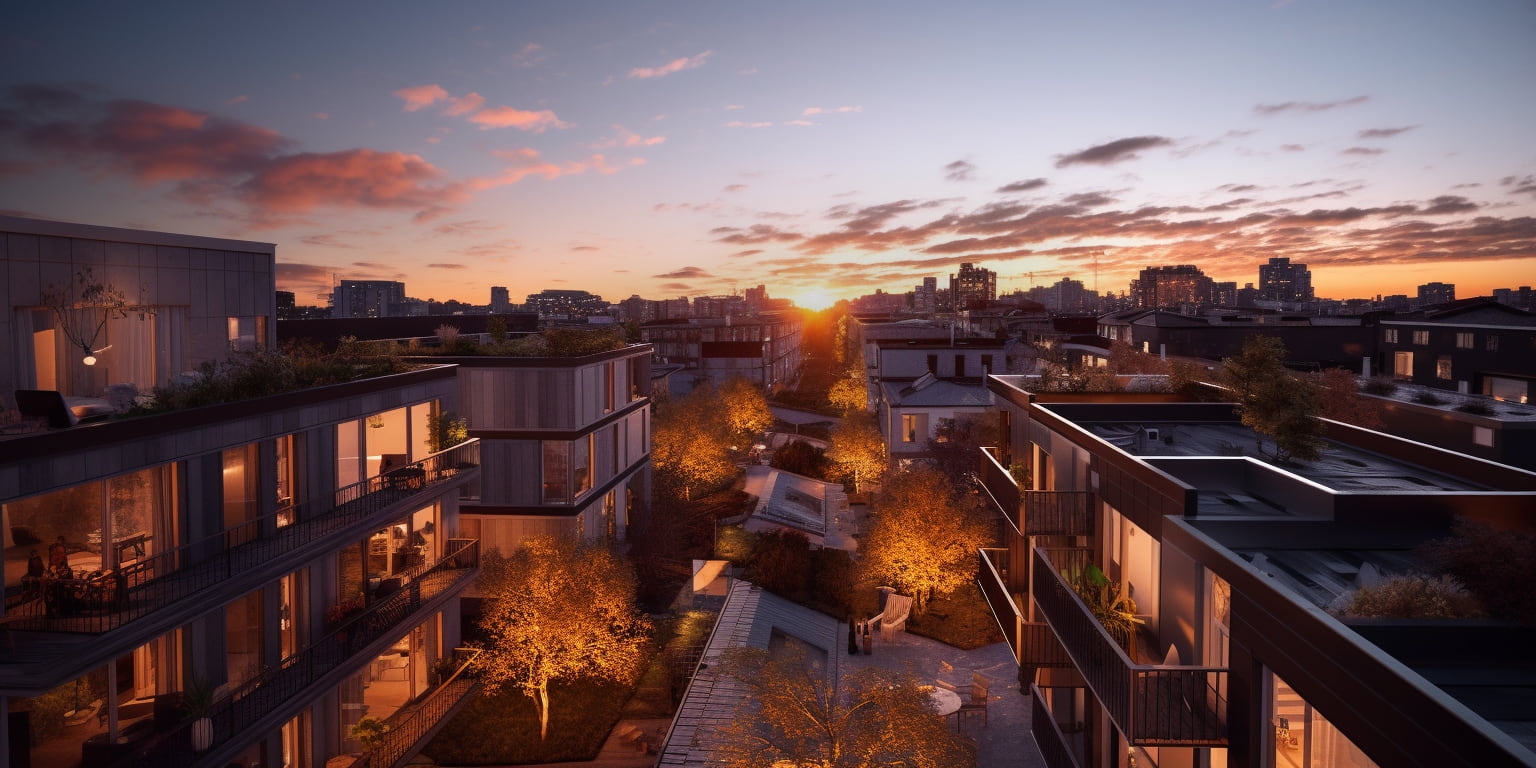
point(814, 298)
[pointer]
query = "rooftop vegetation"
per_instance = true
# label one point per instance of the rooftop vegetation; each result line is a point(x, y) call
point(264, 372)
point(551, 342)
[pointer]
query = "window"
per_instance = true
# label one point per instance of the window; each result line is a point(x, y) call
point(1482, 436)
point(1443, 367)
point(247, 333)
point(581, 464)
point(933, 364)
point(1402, 365)
point(1491, 343)
point(557, 472)
point(986, 364)
point(959, 366)
point(1421, 337)
point(1464, 340)
point(909, 428)
point(608, 387)
point(1390, 336)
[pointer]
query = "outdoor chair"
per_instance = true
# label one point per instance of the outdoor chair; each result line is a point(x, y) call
point(978, 700)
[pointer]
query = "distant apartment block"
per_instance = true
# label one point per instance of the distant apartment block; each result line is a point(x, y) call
point(1431, 294)
point(501, 303)
point(1172, 287)
point(369, 298)
point(764, 348)
point(971, 284)
point(1282, 281)
point(554, 304)
point(925, 297)
point(1477, 346)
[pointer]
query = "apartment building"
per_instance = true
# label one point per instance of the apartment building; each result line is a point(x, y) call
point(762, 348)
point(236, 583)
point(1234, 652)
point(1477, 345)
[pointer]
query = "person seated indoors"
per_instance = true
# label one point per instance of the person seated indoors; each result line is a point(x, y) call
point(58, 562)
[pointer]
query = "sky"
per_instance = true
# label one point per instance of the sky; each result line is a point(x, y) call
point(821, 149)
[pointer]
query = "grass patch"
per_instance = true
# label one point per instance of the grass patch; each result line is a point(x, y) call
point(960, 619)
point(503, 728)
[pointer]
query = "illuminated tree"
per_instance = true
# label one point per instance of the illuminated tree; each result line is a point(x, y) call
point(745, 410)
point(924, 535)
point(558, 610)
point(794, 716)
point(955, 449)
point(858, 449)
point(1341, 400)
point(1273, 402)
point(848, 393)
point(690, 444)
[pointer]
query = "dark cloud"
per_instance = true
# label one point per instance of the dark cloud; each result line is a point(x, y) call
point(686, 273)
point(1307, 106)
point(674, 287)
point(1384, 133)
point(1113, 152)
point(754, 235)
point(959, 170)
point(447, 266)
point(1022, 186)
point(1449, 204)
point(735, 187)
point(293, 272)
point(1519, 185)
point(370, 265)
point(1365, 151)
point(582, 248)
point(748, 252)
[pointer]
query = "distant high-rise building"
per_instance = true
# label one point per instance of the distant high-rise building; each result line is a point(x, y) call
point(972, 283)
point(756, 297)
point(1280, 280)
point(925, 297)
point(1436, 293)
point(1224, 294)
point(1173, 286)
point(501, 303)
point(551, 303)
point(368, 298)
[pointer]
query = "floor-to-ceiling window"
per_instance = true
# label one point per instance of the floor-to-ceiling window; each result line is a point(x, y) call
point(1301, 737)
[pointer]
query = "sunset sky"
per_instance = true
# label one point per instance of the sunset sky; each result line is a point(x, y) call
point(669, 149)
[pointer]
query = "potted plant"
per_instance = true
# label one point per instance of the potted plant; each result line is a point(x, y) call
point(196, 699)
point(1114, 609)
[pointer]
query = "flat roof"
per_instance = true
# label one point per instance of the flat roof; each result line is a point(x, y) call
point(123, 235)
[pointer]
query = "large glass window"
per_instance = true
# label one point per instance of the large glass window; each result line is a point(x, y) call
point(1443, 368)
point(240, 502)
point(1300, 737)
point(557, 472)
point(1402, 365)
point(242, 638)
point(581, 464)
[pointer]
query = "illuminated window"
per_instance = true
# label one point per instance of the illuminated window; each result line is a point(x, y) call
point(1443, 367)
point(1390, 336)
point(1402, 365)
point(1421, 337)
point(909, 428)
point(557, 472)
point(1482, 436)
point(1464, 340)
point(581, 464)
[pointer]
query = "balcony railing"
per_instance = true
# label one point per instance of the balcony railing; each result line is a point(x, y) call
point(269, 691)
point(97, 603)
point(410, 728)
point(1036, 513)
point(1154, 705)
point(1057, 750)
point(1033, 643)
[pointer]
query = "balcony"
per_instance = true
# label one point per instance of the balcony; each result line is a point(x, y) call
point(1034, 644)
point(411, 728)
point(272, 694)
point(1036, 513)
point(114, 598)
point(1153, 705)
point(1056, 747)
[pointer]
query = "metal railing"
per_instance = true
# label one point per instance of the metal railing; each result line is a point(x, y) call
point(408, 729)
point(1036, 513)
point(1033, 643)
point(231, 714)
point(1154, 705)
point(1058, 753)
point(92, 605)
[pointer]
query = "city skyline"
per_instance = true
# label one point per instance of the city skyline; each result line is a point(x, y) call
point(676, 149)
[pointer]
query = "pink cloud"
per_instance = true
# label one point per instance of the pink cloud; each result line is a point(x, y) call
point(354, 177)
point(741, 124)
point(675, 65)
point(422, 96)
point(629, 138)
point(467, 103)
point(509, 117)
point(526, 161)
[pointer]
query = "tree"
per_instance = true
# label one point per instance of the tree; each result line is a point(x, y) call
point(690, 446)
point(1341, 400)
point(794, 716)
point(1273, 402)
point(801, 458)
point(558, 610)
point(745, 410)
point(955, 449)
point(848, 392)
point(858, 449)
point(924, 537)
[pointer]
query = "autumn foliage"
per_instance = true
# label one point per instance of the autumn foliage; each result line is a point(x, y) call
point(924, 535)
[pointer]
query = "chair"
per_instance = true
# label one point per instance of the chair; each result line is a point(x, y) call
point(978, 699)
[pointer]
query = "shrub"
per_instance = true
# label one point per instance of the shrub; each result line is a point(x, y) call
point(1496, 566)
point(1428, 398)
point(1383, 386)
point(781, 564)
point(1475, 408)
point(1414, 597)
point(801, 458)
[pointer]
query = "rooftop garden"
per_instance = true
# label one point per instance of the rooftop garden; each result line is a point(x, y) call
point(1477, 405)
point(496, 342)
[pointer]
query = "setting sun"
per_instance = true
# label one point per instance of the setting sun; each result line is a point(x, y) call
point(814, 298)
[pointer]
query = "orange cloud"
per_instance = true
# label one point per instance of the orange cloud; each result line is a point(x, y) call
point(356, 177)
point(527, 162)
point(466, 103)
point(422, 96)
point(509, 117)
point(675, 65)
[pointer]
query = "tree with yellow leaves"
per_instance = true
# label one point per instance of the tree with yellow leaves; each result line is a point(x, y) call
point(923, 537)
point(745, 410)
point(559, 610)
point(858, 449)
point(794, 715)
point(848, 393)
point(690, 443)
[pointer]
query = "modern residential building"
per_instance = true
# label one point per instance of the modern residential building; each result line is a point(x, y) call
point(566, 304)
point(369, 298)
point(1234, 651)
point(925, 297)
point(501, 302)
point(1314, 341)
point(1282, 281)
point(1478, 345)
point(1434, 293)
point(286, 565)
point(1185, 284)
